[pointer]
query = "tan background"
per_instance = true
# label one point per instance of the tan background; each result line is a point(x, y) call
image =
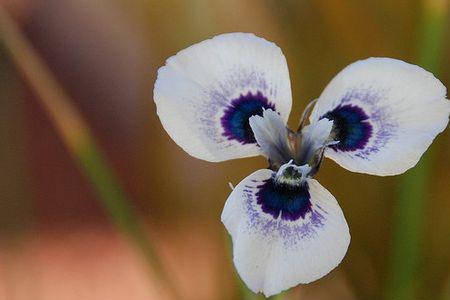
point(56, 241)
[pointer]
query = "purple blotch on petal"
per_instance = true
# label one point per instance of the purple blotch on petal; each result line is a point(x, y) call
point(289, 202)
point(351, 127)
point(235, 121)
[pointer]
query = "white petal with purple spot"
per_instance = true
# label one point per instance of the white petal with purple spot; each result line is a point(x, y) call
point(283, 237)
point(386, 113)
point(207, 92)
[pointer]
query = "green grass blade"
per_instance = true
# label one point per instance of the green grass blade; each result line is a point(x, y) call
point(78, 139)
point(402, 282)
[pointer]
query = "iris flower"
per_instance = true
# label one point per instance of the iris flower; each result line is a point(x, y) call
point(230, 97)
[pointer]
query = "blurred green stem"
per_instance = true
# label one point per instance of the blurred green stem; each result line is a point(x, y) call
point(80, 142)
point(402, 282)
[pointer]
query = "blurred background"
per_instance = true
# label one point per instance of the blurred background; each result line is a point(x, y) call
point(59, 237)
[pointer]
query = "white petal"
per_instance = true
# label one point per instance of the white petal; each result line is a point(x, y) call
point(207, 92)
point(400, 109)
point(272, 254)
point(272, 136)
point(314, 137)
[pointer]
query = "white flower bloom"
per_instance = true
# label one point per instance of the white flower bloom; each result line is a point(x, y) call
point(230, 97)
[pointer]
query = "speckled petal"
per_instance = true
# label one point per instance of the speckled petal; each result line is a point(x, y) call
point(385, 115)
point(206, 94)
point(282, 238)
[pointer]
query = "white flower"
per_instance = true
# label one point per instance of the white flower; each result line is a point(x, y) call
point(230, 97)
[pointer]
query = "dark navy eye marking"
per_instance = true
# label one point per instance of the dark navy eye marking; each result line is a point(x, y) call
point(289, 202)
point(235, 120)
point(351, 127)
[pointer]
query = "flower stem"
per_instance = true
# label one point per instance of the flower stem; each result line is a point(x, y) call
point(79, 141)
point(305, 114)
point(402, 282)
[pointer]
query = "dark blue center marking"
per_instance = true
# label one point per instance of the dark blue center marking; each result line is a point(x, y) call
point(291, 202)
point(235, 120)
point(350, 126)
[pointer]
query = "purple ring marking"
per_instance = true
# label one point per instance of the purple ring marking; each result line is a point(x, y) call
point(235, 121)
point(289, 202)
point(351, 127)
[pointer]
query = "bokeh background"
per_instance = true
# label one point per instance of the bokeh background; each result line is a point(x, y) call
point(57, 240)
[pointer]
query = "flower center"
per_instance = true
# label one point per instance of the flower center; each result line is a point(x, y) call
point(286, 194)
